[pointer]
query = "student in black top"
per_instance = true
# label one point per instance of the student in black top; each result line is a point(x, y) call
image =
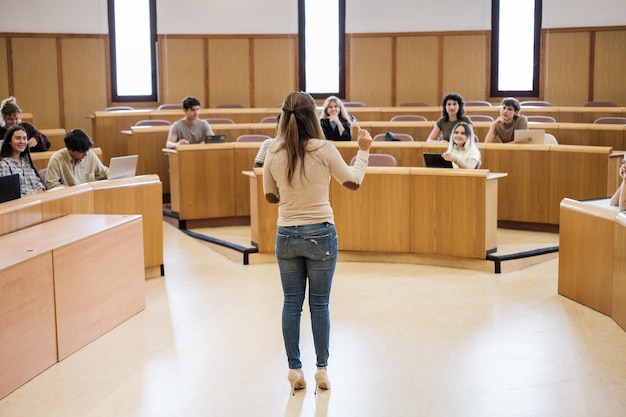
point(335, 120)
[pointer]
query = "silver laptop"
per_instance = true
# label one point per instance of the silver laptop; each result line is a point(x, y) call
point(123, 167)
point(534, 136)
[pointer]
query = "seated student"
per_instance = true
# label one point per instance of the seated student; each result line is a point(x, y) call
point(76, 163)
point(189, 129)
point(619, 198)
point(259, 159)
point(15, 159)
point(453, 111)
point(335, 120)
point(501, 130)
point(37, 141)
point(462, 150)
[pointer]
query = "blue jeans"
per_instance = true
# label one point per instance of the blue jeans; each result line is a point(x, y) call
point(308, 251)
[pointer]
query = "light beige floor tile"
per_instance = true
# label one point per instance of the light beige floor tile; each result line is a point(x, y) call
point(407, 340)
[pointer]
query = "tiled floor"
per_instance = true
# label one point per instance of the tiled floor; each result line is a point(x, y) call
point(407, 340)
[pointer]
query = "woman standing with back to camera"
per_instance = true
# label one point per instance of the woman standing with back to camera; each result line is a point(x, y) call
point(296, 175)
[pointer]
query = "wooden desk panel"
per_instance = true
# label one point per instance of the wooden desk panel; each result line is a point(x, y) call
point(618, 308)
point(138, 195)
point(105, 288)
point(147, 142)
point(19, 214)
point(245, 115)
point(202, 181)
point(568, 164)
point(27, 324)
point(376, 217)
point(520, 196)
point(55, 136)
point(107, 129)
point(586, 254)
point(63, 201)
point(406, 221)
point(438, 223)
point(588, 134)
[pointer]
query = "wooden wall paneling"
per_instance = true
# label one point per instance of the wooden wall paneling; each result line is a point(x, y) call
point(229, 72)
point(84, 74)
point(371, 69)
point(464, 58)
point(610, 53)
point(417, 69)
point(566, 68)
point(4, 69)
point(275, 63)
point(566, 164)
point(183, 69)
point(36, 79)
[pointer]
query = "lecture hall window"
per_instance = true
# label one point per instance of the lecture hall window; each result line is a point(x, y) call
point(132, 40)
point(515, 47)
point(321, 41)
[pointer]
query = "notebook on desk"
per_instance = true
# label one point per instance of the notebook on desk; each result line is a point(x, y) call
point(10, 187)
point(123, 167)
point(435, 160)
point(215, 139)
point(533, 136)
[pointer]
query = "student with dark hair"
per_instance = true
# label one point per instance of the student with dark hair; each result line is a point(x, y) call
point(453, 112)
point(296, 173)
point(76, 163)
point(502, 129)
point(15, 159)
point(11, 116)
point(189, 129)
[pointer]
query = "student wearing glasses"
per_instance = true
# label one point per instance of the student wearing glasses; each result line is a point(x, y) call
point(76, 163)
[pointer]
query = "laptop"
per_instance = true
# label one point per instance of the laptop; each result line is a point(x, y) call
point(533, 136)
point(123, 167)
point(435, 160)
point(215, 139)
point(10, 188)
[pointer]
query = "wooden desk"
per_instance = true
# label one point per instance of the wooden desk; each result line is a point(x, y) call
point(27, 322)
point(63, 284)
point(592, 260)
point(107, 126)
point(138, 195)
point(55, 136)
point(618, 311)
point(202, 184)
point(406, 222)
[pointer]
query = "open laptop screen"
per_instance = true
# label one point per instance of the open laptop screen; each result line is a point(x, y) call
point(10, 188)
point(435, 160)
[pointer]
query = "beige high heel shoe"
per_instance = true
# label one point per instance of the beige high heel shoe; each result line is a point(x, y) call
point(321, 380)
point(296, 380)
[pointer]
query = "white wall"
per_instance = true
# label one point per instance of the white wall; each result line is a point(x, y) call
point(280, 16)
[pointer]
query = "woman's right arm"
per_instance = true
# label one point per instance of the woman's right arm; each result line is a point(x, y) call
point(434, 134)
